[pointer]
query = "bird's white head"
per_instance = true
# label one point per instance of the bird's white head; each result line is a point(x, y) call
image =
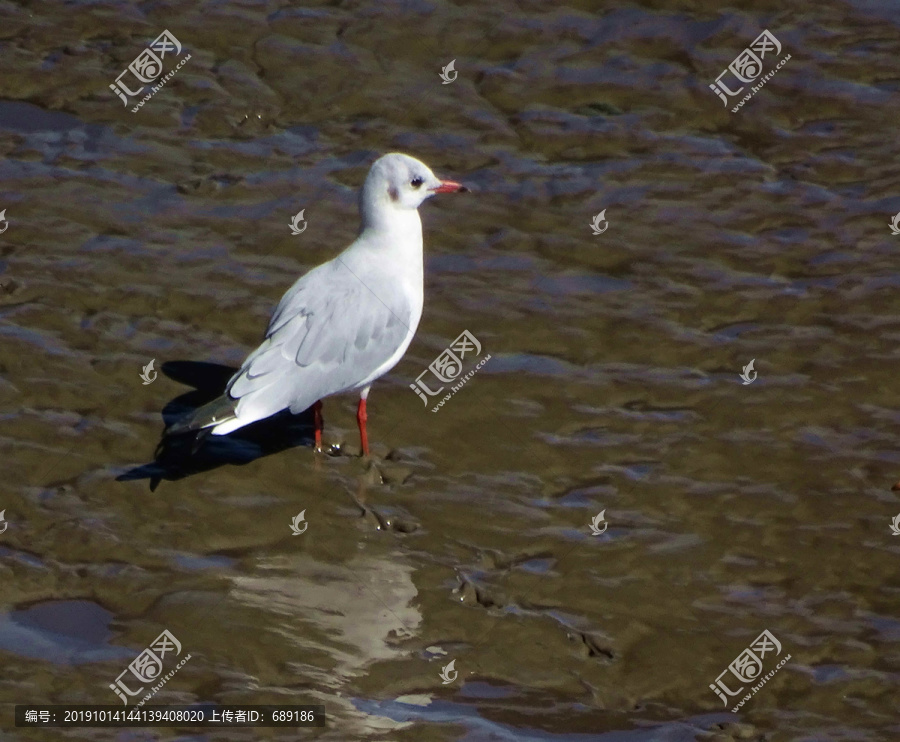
point(398, 182)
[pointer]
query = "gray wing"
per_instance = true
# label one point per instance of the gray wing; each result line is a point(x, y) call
point(328, 334)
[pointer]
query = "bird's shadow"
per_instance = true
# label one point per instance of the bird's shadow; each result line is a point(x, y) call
point(180, 456)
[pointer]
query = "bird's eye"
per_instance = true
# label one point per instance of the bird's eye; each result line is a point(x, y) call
point(416, 182)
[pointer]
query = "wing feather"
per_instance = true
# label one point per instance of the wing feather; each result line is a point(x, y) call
point(329, 333)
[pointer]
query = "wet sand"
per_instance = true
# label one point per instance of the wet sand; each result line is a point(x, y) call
point(613, 383)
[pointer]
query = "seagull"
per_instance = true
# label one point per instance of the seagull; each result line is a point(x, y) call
point(345, 323)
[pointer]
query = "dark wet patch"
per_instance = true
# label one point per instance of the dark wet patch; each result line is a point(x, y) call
point(22, 556)
point(64, 632)
point(27, 118)
point(196, 562)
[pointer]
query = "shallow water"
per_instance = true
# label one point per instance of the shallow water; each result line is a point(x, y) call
point(613, 383)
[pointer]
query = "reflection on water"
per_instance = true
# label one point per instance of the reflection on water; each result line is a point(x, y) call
point(336, 621)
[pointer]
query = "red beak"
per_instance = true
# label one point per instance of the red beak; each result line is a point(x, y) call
point(449, 186)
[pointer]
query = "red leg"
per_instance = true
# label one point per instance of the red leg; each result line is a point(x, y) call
point(361, 418)
point(317, 418)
